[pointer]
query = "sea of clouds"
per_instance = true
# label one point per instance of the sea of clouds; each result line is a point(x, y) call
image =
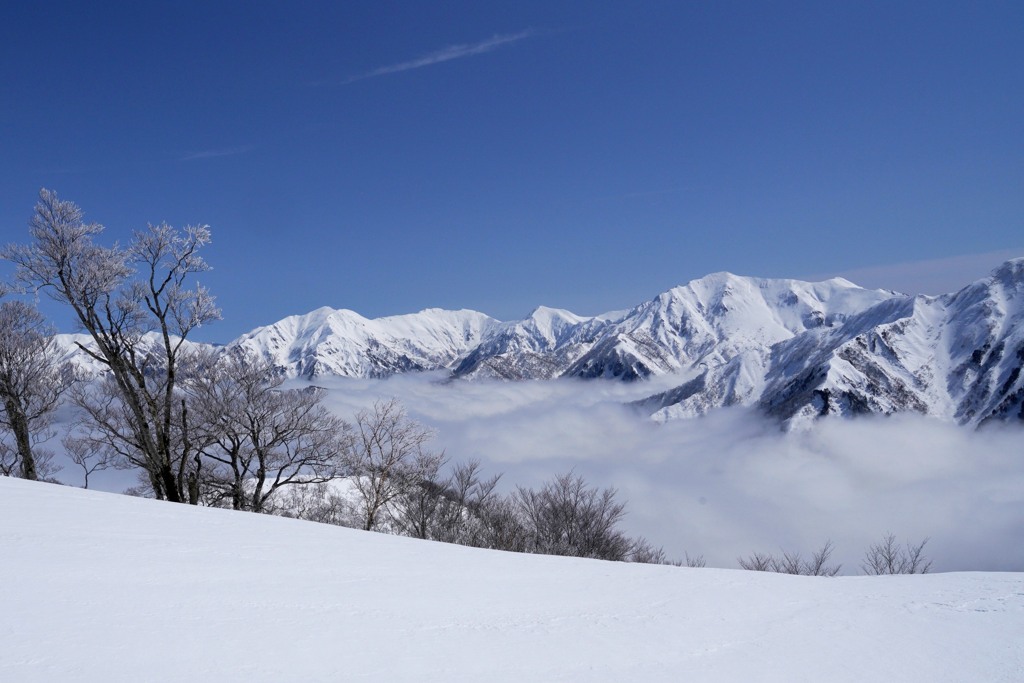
point(732, 483)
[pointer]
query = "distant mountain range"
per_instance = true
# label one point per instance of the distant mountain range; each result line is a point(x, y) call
point(794, 350)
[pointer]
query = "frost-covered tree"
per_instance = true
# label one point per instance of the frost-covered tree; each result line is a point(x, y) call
point(387, 459)
point(31, 384)
point(259, 437)
point(453, 509)
point(136, 305)
point(566, 516)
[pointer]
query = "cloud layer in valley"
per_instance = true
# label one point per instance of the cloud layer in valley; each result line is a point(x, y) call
point(732, 483)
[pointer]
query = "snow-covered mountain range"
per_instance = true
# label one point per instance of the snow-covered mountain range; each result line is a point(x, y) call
point(342, 342)
point(794, 350)
point(957, 357)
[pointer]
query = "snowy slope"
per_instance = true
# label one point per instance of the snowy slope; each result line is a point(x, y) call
point(957, 357)
point(101, 587)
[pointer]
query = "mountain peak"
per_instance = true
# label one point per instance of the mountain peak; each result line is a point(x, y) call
point(1010, 272)
point(794, 349)
point(548, 314)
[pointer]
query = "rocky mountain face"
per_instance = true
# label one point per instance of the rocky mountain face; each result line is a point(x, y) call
point(956, 357)
point(706, 321)
point(794, 350)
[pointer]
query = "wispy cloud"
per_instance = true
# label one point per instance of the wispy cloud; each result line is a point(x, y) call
point(215, 153)
point(935, 276)
point(446, 54)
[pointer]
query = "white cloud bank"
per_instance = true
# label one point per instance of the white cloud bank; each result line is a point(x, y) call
point(732, 483)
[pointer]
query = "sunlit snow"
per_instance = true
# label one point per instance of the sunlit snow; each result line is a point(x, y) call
point(101, 587)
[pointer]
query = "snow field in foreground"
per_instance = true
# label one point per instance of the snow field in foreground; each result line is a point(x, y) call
point(101, 587)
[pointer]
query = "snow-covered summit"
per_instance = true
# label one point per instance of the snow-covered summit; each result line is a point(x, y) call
point(795, 350)
point(342, 342)
point(956, 357)
point(710, 319)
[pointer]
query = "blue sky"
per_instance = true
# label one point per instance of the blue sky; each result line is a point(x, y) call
point(392, 156)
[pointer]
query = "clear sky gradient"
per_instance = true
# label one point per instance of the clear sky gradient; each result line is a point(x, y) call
point(392, 156)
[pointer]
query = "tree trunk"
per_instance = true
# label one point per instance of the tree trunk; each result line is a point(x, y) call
point(19, 426)
point(193, 481)
point(170, 484)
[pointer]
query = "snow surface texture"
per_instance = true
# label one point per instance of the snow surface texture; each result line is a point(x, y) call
point(793, 350)
point(100, 587)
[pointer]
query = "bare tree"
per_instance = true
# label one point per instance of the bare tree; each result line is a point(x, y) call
point(87, 454)
point(260, 437)
point(568, 517)
point(470, 499)
point(450, 509)
point(694, 561)
point(31, 382)
point(793, 563)
point(387, 458)
point(644, 552)
point(757, 562)
point(889, 557)
point(10, 463)
point(135, 305)
point(818, 564)
point(419, 506)
point(502, 526)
